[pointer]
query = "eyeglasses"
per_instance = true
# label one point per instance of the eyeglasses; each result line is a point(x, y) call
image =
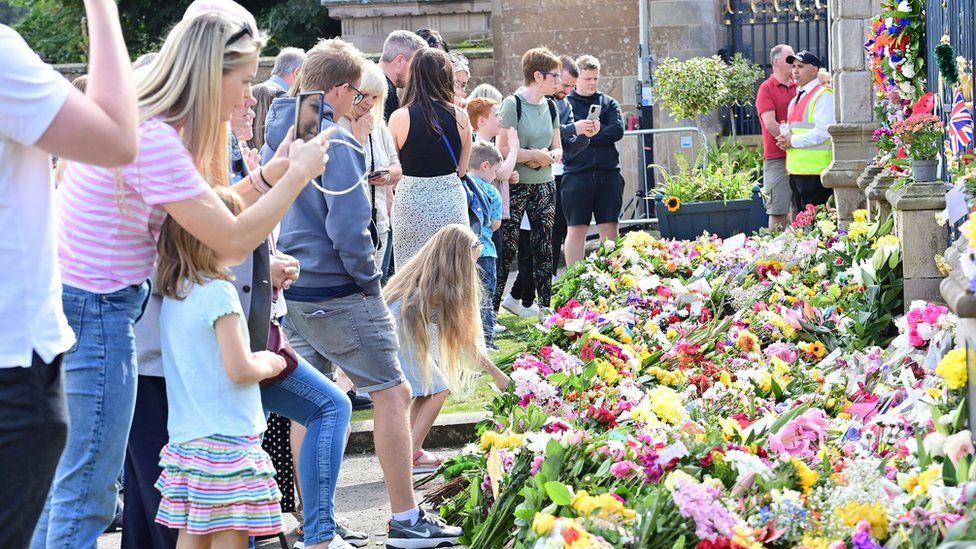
point(245, 31)
point(554, 75)
point(359, 95)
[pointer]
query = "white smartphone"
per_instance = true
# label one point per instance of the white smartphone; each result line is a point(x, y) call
point(594, 113)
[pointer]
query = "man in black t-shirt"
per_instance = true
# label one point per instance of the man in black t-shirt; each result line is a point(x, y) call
point(398, 50)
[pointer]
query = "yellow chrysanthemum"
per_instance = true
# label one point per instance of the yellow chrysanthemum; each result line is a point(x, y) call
point(858, 230)
point(813, 542)
point(742, 537)
point(638, 239)
point(725, 378)
point(607, 372)
point(730, 427)
point(853, 512)
point(808, 477)
point(666, 377)
point(747, 341)
point(666, 404)
point(952, 368)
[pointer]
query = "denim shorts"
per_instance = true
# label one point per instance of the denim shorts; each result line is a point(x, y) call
point(356, 333)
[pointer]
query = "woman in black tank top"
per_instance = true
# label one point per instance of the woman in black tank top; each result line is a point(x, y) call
point(430, 134)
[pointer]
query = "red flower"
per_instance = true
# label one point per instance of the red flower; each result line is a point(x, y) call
point(570, 535)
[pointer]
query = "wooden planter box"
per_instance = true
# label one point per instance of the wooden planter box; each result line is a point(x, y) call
point(719, 218)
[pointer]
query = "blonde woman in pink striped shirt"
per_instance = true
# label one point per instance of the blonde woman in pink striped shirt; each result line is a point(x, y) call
point(110, 222)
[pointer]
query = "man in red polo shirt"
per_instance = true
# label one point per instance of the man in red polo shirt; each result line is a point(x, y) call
point(772, 102)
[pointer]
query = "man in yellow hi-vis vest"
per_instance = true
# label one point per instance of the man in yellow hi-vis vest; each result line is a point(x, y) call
point(808, 145)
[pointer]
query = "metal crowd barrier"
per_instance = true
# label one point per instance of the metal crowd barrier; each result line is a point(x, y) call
point(638, 210)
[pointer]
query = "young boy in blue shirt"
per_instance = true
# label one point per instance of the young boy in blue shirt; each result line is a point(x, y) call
point(483, 168)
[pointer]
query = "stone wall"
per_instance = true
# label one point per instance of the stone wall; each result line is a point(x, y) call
point(481, 63)
point(368, 22)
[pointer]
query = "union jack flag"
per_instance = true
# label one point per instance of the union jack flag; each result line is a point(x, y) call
point(960, 124)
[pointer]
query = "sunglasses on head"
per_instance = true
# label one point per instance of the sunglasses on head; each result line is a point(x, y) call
point(245, 31)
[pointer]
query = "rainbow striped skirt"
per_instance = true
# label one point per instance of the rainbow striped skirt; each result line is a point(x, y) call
point(219, 483)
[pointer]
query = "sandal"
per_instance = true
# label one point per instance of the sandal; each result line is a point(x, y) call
point(426, 462)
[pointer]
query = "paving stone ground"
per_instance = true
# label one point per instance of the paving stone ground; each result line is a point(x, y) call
point(361, 498)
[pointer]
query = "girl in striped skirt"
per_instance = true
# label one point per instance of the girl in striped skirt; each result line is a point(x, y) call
point(217, 482)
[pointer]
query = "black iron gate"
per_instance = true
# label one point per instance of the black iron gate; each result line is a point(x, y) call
point(755, 26)
point(955, 19)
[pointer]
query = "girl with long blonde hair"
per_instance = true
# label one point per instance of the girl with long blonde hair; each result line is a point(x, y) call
point(436, 300)
point(107, 249)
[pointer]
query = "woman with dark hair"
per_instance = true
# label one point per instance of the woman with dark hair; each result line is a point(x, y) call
point(433, 139)
point(433, 39)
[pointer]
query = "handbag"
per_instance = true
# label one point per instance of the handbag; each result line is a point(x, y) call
point(278, 344)
point(470, 190)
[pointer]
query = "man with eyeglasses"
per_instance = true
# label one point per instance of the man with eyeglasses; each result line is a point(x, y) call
point(336, 302)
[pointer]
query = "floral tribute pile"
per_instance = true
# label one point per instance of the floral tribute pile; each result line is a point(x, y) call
point(895, 53)
point(746, 393)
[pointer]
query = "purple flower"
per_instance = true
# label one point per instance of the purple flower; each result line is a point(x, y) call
point(862, 537)
point(701, 504)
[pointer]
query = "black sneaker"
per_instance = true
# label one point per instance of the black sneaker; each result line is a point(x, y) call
point(430, 531)
point(359, 402)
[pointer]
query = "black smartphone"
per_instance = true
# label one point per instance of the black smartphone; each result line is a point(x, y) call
point(308, 115)
point(378, 173)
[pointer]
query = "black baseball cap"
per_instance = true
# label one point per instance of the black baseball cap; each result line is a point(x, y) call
point(805, 57)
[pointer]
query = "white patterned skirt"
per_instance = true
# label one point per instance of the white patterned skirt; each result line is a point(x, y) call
point(422, 206)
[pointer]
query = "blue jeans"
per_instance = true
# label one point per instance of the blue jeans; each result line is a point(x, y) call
point(100, 384)
point(486, 267)
point(308, 397)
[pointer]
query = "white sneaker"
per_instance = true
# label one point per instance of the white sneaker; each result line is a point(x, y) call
point(499, 329)
point(512, 305)
point(531, 311)
point(339, 543)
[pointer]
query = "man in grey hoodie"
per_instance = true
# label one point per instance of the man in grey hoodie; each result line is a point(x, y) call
point(336, 314)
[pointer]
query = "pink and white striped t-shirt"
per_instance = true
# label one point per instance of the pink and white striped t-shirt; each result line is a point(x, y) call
point(108, 241)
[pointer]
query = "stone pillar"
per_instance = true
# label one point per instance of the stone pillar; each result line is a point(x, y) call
point(955, 291)
point(853, 98)
point(915, 206)
point(878, 205)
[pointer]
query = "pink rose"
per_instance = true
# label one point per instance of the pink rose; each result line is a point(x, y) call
point(781, 351)
point(958, 446)
point(623, 469)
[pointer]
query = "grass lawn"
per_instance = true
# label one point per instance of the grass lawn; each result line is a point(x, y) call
point(514, 339)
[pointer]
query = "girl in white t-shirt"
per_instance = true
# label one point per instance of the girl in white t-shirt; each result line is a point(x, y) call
point(217, 486)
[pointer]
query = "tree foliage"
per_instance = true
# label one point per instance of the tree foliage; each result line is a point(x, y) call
point(56, 28)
